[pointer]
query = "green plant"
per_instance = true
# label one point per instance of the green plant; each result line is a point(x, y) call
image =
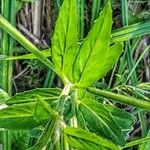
point(73, 117)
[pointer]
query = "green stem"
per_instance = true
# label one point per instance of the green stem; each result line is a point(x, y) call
point(128, 56)
point(6, 140)
point(49, 78)
point(143, 124)
point(47, 133)
point(81, 6)
point(65, 143)
point(7, 68)
point(131, 31)
point(138, 61)
point(137, 142)
point(121, 98)
point(73, 120)
point(96, 4)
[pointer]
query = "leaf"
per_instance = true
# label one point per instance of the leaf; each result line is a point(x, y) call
point(46, 94)
point(25, 116)
point(20, 139)
point(124, 119)
point(65, 37)
point(94, 50)
point(46, 135)
point(3, 96)
point(84, 140)
point(100, 121)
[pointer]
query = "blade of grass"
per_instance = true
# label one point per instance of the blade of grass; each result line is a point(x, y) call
point(96, 4)
point(122, 68)
point(81, 6)
point(50, 74)
point(127, 53)
point(138, 61)
point(6, 71)
point(10, 29)
point(131, 31)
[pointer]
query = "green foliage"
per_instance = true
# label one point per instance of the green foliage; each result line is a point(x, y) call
point(46, 94)
point(25, 116)
point(63, 113)
point(82, 139)
point(101, 121)
point(75, 61)
point(20, 139)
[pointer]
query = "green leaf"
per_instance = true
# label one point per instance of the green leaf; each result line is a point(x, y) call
point(3, 96)
point(20, 139)
point(84, 140)
point(46, 135)
point(25, 116)
point(65, 37)
point(47, 94)
point(95, 50)
point(124, 119)
point(100, 121)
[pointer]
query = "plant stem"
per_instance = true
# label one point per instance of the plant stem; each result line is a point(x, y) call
point(73, 120)
point(81, 6)
point(138, 61)
point(131, 31)
point(5, 25)
point(8, 11)
point(49, 79)
point(121, 98)
point(127, 54)
point(96, 4)
point(142, 119)
point(137, 142)
point(47, 133)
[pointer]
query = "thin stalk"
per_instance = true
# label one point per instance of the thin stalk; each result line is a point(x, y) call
point(47, 133)
point(6, 71)
point(139, 103)
point(73, 120)
point(5, 25)
point(65, 143)
point(122, 66)
point(132, 31)
point(138, 61)
point(96, 4)
point(81, 7)
point(50, 73)
point(143, 124)
point(49, 79)
point(137, 142)
point(124, 11)
point(58, 141)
